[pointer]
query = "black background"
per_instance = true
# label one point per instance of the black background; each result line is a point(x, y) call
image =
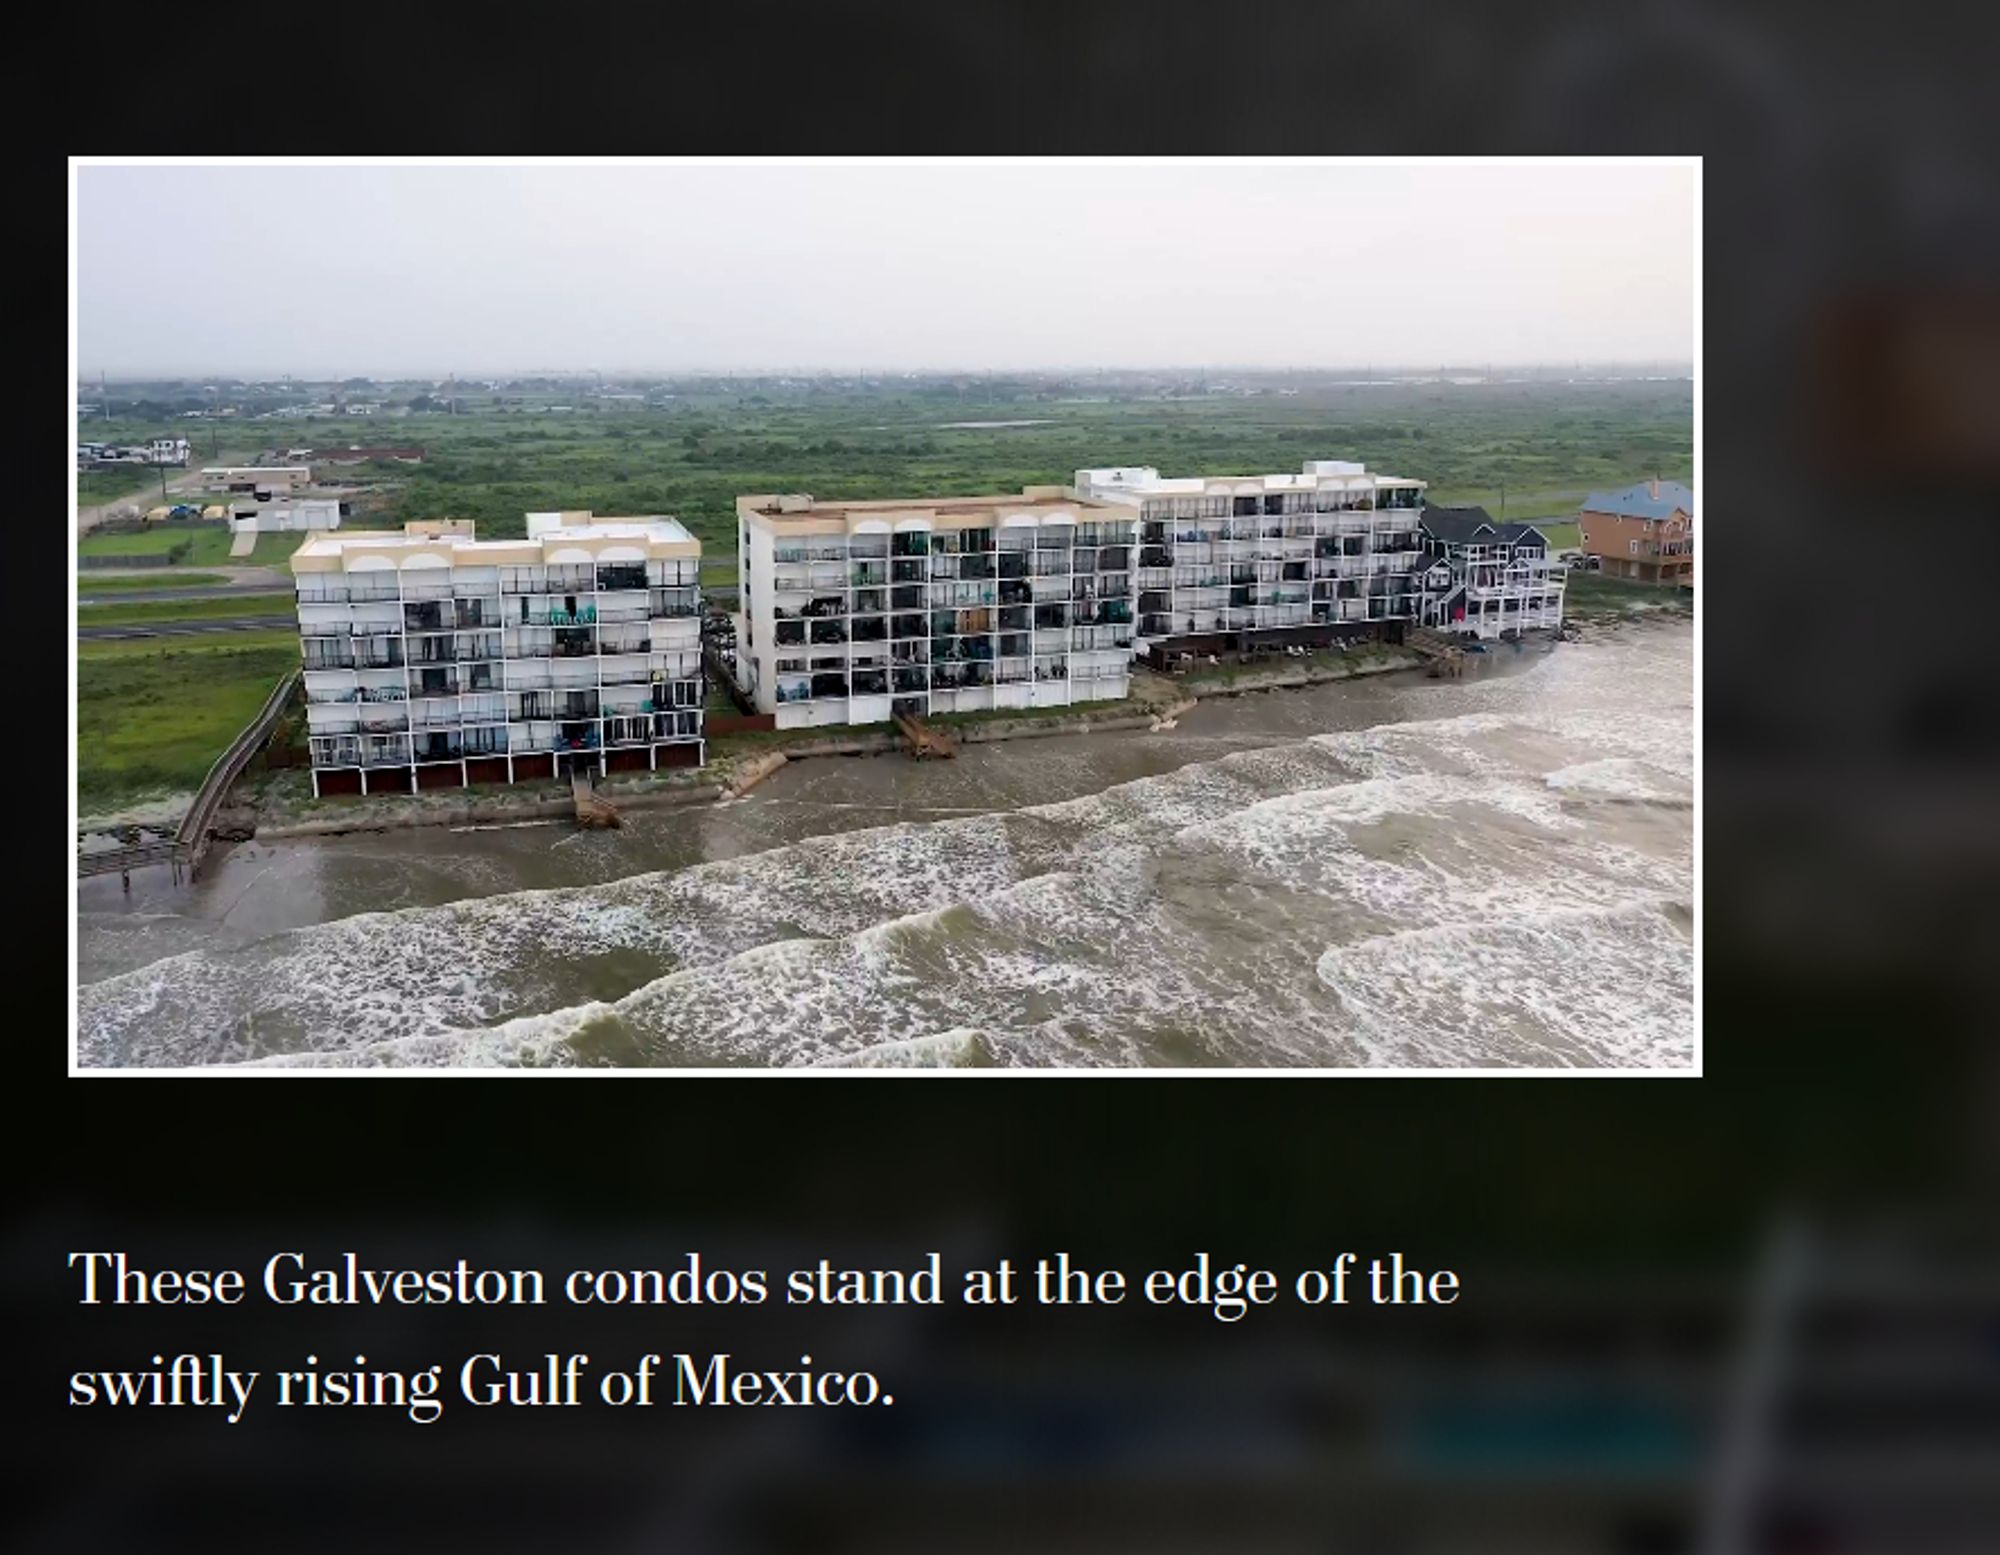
point(1604, 1229)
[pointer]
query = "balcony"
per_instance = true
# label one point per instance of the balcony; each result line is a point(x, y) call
point(612, 576)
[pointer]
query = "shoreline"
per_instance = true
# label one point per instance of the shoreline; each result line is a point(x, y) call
point(737, 773)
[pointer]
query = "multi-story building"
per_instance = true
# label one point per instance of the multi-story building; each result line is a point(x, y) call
point(434, 659)
point(1645, 532)
point(1488, 578)
point(1227, 560)
point(856, 611)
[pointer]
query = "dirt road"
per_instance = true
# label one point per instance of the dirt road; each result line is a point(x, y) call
point(147, 497)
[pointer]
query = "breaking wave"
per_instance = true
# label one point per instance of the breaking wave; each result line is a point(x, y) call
point(1507, 886)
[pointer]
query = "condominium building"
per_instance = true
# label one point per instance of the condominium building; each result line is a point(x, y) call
point(1489, 578)
point(1228, 560)
point(1645, 532)
point(434, 659)
point(856, 611)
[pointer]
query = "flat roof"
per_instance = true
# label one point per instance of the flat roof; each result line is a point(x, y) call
point(1143, 480)
point(765, 505)
point(658, 537)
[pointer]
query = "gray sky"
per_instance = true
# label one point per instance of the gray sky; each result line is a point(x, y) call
point(422, 270)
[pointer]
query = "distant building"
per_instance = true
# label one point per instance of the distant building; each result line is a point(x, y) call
point(161, 450)
point(1645, 532)
point(258, 477)
point(355, 454)
point(434, 659)
point(1488, 578)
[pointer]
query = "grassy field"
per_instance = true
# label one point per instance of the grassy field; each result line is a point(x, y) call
point(1591, 596)
point(152, 716)
point(90, 583)
point(208, 545)
point(98, 486)
point(141, 612)
point(1548, 443)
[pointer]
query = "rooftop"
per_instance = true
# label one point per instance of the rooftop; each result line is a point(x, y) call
point(1144, 478)
point(455, 536)
point(1648, 499)
point(800, 507)
point(1463, 526)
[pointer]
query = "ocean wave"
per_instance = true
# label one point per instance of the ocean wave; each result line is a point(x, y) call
point(1421, 892)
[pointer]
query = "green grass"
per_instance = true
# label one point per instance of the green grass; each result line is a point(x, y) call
point(1562, 537)
point(275, 549)
point(95, 487)
point(1549, 443)
point(1590, 596)
point(152, 716)
point(207, 543)
point(89, 583)
point(151, 612)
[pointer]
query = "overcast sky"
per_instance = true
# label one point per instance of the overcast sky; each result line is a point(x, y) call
point(321, 271)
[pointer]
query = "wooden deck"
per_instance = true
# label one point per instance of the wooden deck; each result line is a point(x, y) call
point(924, 741)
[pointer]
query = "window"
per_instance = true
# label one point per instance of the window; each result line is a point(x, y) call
point(1634, 544)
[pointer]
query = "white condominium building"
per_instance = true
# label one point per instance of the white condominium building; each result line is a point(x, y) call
point(434, 659)
point(853, 612)
point(1334, 551)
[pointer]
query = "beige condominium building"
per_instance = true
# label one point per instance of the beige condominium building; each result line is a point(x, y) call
point(1229, 561)
point(853, 612)
point(435, 659)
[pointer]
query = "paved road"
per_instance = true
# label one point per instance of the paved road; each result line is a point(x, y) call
point(188, 628)
point(170, 577)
